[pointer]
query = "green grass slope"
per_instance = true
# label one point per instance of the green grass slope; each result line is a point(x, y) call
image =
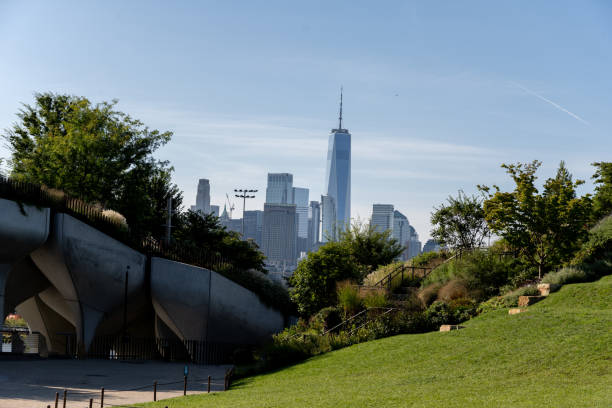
point(557, 354)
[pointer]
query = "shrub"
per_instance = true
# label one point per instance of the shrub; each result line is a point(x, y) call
point(348, 298)
point(565, 275)
point(439, 313)
point(115, 217)
point(598, 245)
point(429, 293)
point(483, 273)
point(453, 289)
point(326, 319)
point(429, 259)
point(509, 299)
point(375, 299)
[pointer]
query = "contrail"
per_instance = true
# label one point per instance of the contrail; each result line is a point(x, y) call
point(556, 105)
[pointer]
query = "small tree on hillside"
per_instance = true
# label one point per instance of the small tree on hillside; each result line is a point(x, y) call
point(602, 201)
point(546, 228)
point(460, 224)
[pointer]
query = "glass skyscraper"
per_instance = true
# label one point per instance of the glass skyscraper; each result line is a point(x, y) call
point(338, 175)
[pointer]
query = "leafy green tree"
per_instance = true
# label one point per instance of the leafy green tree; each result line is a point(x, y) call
point(602, 201)
point(369, 247)
point(96, 153)
point(546, 228)
point(460, 224)
point(204, 231)
point(359, 250)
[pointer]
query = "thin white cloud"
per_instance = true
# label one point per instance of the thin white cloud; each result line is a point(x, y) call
point(556, 105)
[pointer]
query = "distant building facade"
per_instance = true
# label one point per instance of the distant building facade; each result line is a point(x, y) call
point(203, 196)
point(414, 245)
point(280, 188)
point(253, 226)
point(214, 210)
point(328, 217)
point(401, 232)
point(314, 224)
point(280, 238)
point(382, 217)
point(431, 246)
point(300, 199)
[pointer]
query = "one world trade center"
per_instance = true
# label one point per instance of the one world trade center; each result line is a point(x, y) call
point(337, 181)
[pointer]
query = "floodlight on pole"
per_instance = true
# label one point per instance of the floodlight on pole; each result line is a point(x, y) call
point(244, 194)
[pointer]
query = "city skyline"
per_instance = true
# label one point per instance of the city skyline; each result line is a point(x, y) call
point(438, 97)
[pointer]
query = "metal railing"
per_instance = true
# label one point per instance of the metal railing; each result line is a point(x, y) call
point(361, 319)
point(402, 271)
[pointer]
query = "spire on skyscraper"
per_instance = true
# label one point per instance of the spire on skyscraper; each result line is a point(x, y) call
point(340, 118)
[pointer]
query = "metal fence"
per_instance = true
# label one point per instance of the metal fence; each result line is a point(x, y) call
point(19, 341)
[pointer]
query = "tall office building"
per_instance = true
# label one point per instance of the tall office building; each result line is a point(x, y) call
point(382, 217)
point(314, 224)
point(253, 226)
point(300, 199)
point(431, 246)
point(203, 196)
point(328, 217)
point(401, 232)
point(338, 174)
point(279, 237)
point(414, 245)
point(280, 188)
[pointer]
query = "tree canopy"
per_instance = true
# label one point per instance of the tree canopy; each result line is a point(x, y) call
point(95, 153)
point(547, 228)
point(460, 224)
point(198, 230)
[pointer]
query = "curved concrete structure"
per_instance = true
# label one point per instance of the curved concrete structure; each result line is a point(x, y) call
point(23, 228)
point(67, 279)
point(54, 328)
point(209, 307)
point(88, 269)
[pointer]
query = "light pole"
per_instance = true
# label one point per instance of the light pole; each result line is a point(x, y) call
point(244, 194)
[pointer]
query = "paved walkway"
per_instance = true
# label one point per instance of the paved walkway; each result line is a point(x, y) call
point(33, 383)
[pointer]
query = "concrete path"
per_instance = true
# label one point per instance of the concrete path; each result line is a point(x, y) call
point(33, 384)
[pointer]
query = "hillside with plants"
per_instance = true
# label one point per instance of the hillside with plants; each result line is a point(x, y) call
point(556, 354)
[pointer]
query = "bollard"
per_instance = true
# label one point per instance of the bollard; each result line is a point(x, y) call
point(185, 386)
point(155, 391)
point(102, 398)
point(208, 384)
point(91, 403)
point(56, 398)
point(65, 392)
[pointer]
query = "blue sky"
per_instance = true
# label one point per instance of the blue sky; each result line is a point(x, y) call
point(437, 94)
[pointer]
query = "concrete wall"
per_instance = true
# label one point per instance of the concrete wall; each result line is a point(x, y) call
point(22, 229)
point(88, 269)
point(65, 276)
point(199, 304)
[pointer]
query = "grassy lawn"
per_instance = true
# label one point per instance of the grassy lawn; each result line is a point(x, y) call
point(558, 354)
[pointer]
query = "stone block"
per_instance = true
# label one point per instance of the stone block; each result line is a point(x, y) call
point(548, 288)
point(449, 327)
point(525, 301)
point(516, 310)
